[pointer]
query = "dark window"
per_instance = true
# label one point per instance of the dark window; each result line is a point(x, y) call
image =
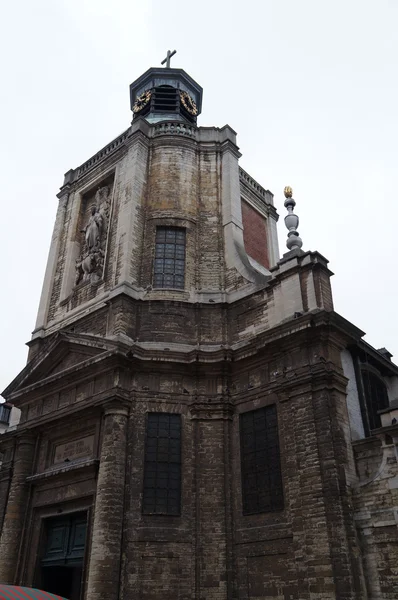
point(261, 470)
point(162, 477)
point(376, 397)
point(169, 268)
point(5, 412)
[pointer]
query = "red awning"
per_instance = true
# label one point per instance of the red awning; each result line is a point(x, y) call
point(15, 592)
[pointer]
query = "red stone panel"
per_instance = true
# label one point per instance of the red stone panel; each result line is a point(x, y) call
point(255, 234)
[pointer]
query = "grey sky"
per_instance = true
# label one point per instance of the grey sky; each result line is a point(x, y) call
point(310, 86)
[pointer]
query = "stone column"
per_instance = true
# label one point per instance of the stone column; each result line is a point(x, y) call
point(104, 569)
point(13, 525)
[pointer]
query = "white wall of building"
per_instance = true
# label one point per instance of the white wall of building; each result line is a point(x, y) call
point(353, 406)
point(14, 420)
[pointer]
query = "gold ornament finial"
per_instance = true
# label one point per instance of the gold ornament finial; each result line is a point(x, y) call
point(288, 191)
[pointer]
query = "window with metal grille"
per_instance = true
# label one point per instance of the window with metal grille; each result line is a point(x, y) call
point(5, 413)
point(376, 398)
point(169, 267)
point(162, 476)
point(262, 489)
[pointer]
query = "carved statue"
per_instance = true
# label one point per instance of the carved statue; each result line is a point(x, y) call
point(90, 264)
point(93, 230)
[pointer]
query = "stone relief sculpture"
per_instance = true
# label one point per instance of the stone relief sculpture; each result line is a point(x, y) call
point(90, 264)
point(93, 230)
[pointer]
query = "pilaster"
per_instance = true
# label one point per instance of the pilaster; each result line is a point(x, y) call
point(212, 431)
point(131, 186)
point(326, 550)
point(273, 246)
point(52, 260)
point(106, 546)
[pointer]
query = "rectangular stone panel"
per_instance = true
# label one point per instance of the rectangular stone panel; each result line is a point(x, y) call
point(81, 448)
point(64, 398)
point(83, 390)
point(49, 403)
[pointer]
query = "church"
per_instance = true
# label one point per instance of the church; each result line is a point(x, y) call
point(197, 422)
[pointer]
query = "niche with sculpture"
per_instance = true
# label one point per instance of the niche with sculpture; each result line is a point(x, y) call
point(90, 263)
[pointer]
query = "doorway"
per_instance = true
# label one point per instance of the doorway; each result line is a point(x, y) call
point(61, 566)
point(62, 581)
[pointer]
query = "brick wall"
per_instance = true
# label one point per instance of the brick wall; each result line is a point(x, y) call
point(255, 234)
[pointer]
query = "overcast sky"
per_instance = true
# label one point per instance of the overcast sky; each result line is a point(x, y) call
point(310, 87)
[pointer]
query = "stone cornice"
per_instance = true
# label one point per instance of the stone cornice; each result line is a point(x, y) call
point(103, 154)
point(76, 465)
point(304, 380)
point(108, 154)
point(254, 187)
point(54, 346)
point(296, 262)
point(286, 386)
point(388, 365)
point(229, 146)
point(338, 330)
point(74, 374)
point(211, 137)
point(96, 402)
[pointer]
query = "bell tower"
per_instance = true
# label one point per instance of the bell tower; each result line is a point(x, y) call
point(166, 94)
point(163, 212)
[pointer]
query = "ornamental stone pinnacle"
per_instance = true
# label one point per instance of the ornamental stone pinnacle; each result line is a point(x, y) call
point(291, 221)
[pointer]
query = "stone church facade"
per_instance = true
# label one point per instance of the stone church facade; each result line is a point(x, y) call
point(197, 421)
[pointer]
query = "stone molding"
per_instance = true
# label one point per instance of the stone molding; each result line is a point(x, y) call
point(174, 128)
point(101, 155)
point(116, 406)
point(211, 410)
point(252, 184)
point(62, 469)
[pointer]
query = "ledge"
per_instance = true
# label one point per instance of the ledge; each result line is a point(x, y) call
point(64, 468)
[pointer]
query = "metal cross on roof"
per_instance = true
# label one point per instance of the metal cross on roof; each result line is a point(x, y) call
point(167, 59)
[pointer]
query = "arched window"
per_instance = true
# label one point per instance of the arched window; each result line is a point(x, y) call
point(376, 397)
